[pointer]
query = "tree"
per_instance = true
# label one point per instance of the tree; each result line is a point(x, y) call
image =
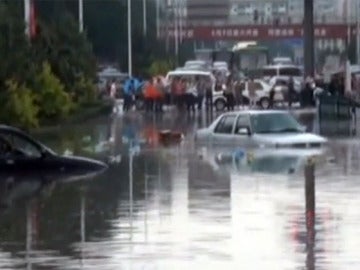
point(68, 52)
point(18, 106)
point(54, 102)
point(106, 29)
point(15, 51)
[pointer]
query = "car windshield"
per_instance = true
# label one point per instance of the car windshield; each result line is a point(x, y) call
point(274, 123)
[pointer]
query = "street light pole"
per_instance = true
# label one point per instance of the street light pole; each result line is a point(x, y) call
point(129, 40)
point(180, 11)
point(27, 17)
point(81, 16)
point(157, 19)
point(144, 18)
point(358, 32)
point(308, 25)
point(176, 33)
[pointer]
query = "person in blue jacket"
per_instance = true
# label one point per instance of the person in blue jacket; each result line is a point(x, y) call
point(138, 88)
point(128, 91)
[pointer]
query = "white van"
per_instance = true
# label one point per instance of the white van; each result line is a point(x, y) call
point(282, 71)
point(197, 64)
point(282, 61)
point(273, 73)
point(190, 75)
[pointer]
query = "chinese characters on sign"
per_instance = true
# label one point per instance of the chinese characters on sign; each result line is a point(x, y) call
point(284, 32)
point(185, 33)
point(234, 33)
point(256, 32)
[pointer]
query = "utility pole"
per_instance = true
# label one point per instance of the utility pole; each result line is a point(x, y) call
point(348, 29)
point(158, 19)
point(308, 25)
point(144, 18)
point(176, 32)
point(129, 39)
point(358, 32)
point(81, 16)
point(27, 17)
point(180, 12)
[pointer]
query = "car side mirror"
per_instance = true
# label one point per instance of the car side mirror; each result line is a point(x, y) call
point(243, 131)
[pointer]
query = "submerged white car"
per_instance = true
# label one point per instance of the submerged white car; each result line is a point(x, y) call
point(258, 129)
point(264, 160)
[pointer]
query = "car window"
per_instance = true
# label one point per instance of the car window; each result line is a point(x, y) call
point(225, 125)
point(5, 146)
point(242, 122)
point(274, 123)
point(20, 145)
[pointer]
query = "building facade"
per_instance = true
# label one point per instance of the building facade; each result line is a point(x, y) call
point(216, 12)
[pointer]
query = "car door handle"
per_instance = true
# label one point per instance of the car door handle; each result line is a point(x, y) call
point(10, 161)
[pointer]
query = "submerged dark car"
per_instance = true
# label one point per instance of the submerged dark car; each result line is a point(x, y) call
point(20, 155)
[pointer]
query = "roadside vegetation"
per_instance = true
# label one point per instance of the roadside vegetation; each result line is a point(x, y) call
point(48, 78)
point(52, 77)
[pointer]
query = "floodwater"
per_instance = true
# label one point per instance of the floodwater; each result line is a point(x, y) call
point(166, 208)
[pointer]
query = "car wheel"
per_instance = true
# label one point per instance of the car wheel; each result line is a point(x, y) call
point(220, 105)
point(265, 103)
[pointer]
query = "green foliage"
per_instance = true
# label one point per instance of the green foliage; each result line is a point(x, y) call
point(84, 90)
point(56, 64)
point(15, 51)
point(67, 78)
point(160, 67)
point(68, 52)
point(53, 101)
point(18, 106)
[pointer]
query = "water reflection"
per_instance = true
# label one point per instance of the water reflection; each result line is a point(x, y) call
point(168, 208)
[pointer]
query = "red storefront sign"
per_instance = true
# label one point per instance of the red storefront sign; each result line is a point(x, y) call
point(259, 32)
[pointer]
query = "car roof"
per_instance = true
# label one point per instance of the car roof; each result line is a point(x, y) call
point(9, 128)
point(196, 61)
point(276, 66)
point(256, 112)
point(189, 72)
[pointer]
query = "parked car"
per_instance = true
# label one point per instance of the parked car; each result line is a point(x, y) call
point(20, 155)
point(282, 61)
point(197, 64)
point(284, 81)
point(280, 86)
point(220, 64)
point(283, 71)
point(262, 95)
point(259, 129)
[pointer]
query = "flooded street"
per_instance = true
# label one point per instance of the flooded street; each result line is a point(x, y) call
point(167, 208)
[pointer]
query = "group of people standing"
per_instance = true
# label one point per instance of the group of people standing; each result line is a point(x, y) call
point(189, 94)
point(154, 94)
